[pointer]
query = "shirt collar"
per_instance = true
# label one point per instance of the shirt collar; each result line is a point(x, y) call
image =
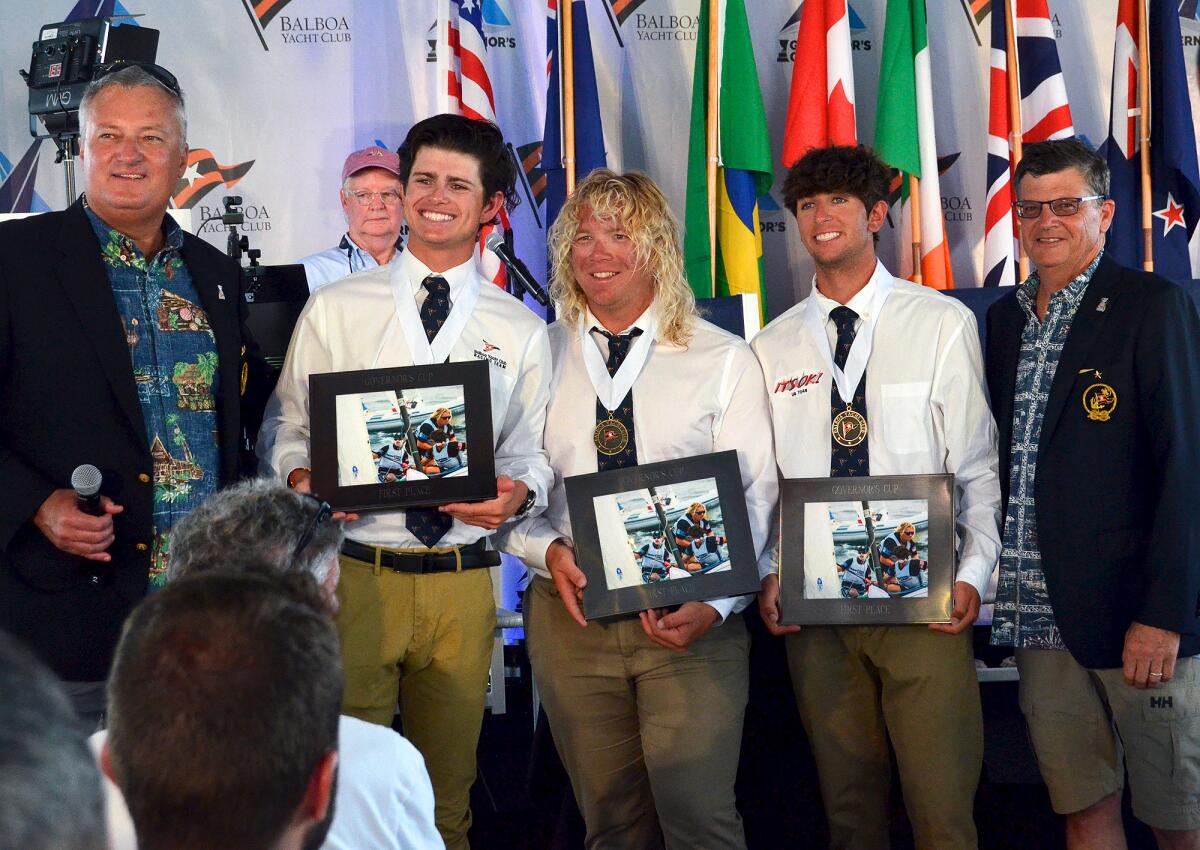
point(458, 277)
point(643, 321)
point(1071, 294)
point(863, 303)
point(172, 232)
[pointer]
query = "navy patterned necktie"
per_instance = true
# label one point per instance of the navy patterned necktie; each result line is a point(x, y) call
point(618, 349)
point(430, 525)
point(847, 461)
point(437, 305)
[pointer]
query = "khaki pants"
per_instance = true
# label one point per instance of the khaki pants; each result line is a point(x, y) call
point(649, 737)
point(425, 641)
point(859, 687)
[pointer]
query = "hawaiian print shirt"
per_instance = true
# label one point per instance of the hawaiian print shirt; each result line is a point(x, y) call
point(1023, 616)
point(174, 358)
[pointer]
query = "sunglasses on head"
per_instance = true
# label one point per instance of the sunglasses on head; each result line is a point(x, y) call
point(323, 513)
point(158, 72)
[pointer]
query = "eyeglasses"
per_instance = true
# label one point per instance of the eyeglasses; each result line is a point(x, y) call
point(388, 197)
point(1058, 206)
point(323, 514)
point(158, 72)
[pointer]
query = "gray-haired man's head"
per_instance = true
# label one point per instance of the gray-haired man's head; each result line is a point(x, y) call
point(259, 523)
point(50, 791)
point(133, 77)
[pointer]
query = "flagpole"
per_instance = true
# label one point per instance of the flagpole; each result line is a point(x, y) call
point(568, 89)
point(1014, 115)
point(1144, 133)
point(712, 127)
point(914, 198)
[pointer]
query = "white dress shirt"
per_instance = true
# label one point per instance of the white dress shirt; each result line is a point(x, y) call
point(927, 408)
point(337, 262)
point(353, 325)
point(688, 400)
point(384, 798)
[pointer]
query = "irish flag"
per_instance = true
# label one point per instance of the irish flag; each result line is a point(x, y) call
point(904, 135)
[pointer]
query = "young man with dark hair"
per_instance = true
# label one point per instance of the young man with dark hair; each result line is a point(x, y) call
point(1094, 371)
point(898, 390)
point(417, 615)
point(223, 714)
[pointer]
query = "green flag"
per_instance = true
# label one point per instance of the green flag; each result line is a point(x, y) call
point(896, 138)
point(746, 167)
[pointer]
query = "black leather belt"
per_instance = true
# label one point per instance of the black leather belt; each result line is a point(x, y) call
point(470, 557)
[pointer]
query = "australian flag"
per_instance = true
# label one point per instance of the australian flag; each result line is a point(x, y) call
point(1174, 175)
point(589, 133)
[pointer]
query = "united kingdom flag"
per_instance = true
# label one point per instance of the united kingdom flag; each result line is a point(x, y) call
point(1044, 114)
point(1044, 110)
point(1174, 175)
point(999, 247)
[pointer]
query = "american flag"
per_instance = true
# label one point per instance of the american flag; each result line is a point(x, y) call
point(463, 65)
point(999, 248)
point(1044, 110)
point(468, 83)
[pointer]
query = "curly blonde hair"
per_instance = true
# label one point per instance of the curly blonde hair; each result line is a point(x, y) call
point(636, 201)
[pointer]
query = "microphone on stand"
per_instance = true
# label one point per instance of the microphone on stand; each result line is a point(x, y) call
point(496, 244)
point(85, 481)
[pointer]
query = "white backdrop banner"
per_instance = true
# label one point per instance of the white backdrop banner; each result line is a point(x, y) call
point(279, 91)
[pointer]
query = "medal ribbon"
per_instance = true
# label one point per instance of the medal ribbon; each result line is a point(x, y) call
point(612, 389)
point(847, 380)
point(424, 352)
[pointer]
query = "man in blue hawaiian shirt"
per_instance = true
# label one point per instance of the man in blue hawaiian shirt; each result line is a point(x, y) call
point(121, 346)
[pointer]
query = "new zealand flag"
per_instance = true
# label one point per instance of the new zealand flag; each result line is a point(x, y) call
point(1174, 175)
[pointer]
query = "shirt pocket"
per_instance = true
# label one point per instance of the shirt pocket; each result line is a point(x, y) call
point(903, 415)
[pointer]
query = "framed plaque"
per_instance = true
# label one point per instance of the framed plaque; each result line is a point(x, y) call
point(394, 438)
point(662, 534)
point(863, 551)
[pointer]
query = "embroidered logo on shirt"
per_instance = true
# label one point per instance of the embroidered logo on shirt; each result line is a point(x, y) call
point(489, 357)
point(798, 385)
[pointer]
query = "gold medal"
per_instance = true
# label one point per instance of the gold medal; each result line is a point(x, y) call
point(849, 428)
point(1099, 401)
point(611, 437)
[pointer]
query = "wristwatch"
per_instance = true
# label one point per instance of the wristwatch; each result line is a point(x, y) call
point(527, 505)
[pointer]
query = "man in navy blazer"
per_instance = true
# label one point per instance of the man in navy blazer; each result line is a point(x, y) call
point(1094, 372)
point(121, 346)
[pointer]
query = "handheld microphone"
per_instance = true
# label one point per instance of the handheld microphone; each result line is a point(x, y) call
point(496, 244)
point(85, 481)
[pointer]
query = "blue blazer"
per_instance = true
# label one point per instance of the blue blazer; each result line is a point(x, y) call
point(1118, 463)
point(68, 397)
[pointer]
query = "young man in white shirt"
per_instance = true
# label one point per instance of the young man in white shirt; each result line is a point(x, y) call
point(909, 359)
point(413, 625)
point(646, 710)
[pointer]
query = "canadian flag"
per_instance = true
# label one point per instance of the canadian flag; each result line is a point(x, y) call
point(821, 101)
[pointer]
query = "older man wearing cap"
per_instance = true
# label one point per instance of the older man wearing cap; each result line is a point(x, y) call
point(371, 201)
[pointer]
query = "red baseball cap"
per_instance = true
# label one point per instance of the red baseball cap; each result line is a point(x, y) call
point(372, 157)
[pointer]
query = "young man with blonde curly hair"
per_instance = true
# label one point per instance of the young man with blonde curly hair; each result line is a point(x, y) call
point(646, 709)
